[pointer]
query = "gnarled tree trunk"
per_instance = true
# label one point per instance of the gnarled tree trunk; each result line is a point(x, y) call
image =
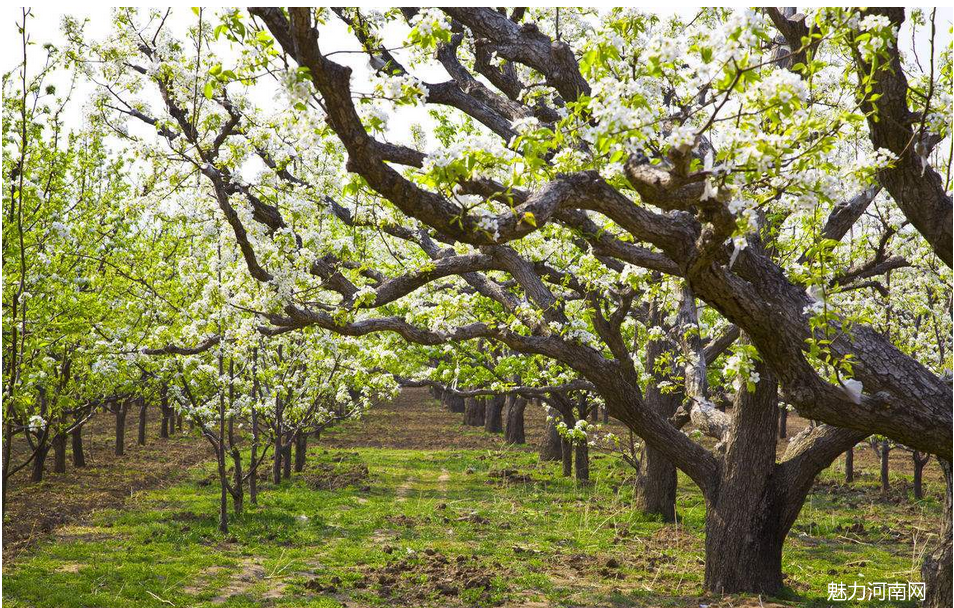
point(493, 414)
point(474, 411)
point(514, 432)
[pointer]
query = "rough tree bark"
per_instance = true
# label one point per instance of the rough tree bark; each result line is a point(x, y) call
point(121, 408)
point(783, 422)
point(59, 453)
point(514, 432)
point(474, 408)
point(455, 403)
point(79, 458)
point(301, 451)
point(936, 569)
point(920, 461)
point(752, 507)
point(493, 414)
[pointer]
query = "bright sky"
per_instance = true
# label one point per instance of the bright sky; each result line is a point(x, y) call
point(44, 27)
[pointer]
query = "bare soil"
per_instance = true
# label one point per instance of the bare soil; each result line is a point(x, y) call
point(107, 481)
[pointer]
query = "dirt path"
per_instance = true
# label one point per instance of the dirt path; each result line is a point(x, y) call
point(36, 509)
point(416, 421)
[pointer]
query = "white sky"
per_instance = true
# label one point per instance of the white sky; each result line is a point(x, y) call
point(44, 26)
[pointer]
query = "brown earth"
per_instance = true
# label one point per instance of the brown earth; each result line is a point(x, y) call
point(36, 509)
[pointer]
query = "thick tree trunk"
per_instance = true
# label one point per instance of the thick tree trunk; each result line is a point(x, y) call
point(141, 439)
point(582, 463)
point(514, 433)
point(455, 403)
point(552, 446)
point(783, 422)
point(850, 465)
point(59, 453)
point(656, 485)
point(493, 414)
point(79, 459)
point(748, 513)
point(301, 451)
point(936, 569)
point(474, 408)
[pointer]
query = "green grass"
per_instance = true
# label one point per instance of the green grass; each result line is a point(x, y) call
point(544, 541)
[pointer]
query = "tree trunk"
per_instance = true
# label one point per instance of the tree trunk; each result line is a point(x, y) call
point(493, 414)
point(38, 461)
point(747, 519)
point(884, 452)
point(936, 569)
point(59, 453)
point(287, 459)
point(474, 408)
point(253, 466)
point(277, 460)
point(582, 463)
point(455, 403)
point(121, 430)
point(850, 465)
point(514, 432)
point(179, 422)
point(656, 481)
point(301, 451)
point(566, 453)
point(79, 459)
point(920, 461)
point(783, 422)
point(165, 410)
point(141, 439)
point(656, 485)
point(552, 447)
point(224, 493)
point(238, 490)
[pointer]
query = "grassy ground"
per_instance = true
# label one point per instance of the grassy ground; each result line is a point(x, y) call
point(478, 526)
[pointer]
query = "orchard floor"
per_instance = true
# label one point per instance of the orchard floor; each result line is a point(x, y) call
point(407, 508)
